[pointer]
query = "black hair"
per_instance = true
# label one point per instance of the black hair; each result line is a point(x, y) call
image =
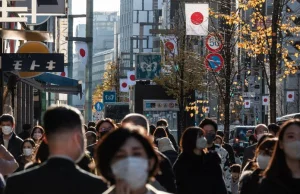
point(42, 153)
point(236, 168)
point(277, 166)
point(189, 138)
point(85, 127)
point(152, 129)
point(274, 128)
point(252, 138)
point(93, 134)
point(91, 124)
point(63, 118)
point(264, 137)
point(107, 120)
point(6, 118)
point(220, 133)
point(208, 121)
point(92, 129)
point(26, 127)
point(112, 142)
point(160, 133)
point(162, 122)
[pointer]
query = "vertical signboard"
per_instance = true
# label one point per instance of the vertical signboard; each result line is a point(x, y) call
point(148, 66)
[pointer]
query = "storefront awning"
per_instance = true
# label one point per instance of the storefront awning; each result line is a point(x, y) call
point(55, 84)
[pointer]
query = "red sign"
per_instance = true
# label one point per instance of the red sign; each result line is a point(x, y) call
point(214, 43)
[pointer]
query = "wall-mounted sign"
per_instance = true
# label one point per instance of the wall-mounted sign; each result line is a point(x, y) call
point(148, 66)
point(62, 33)
point(161, 105)
point(34, 62)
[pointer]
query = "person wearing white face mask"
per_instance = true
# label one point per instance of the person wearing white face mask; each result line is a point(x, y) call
point(259, 131)
point(283, 172)
point(8, 138)
point(65, 139)
point(37, 134)
point(249, 181)
point(127, 160)
point(27, 147)
point(197, 170)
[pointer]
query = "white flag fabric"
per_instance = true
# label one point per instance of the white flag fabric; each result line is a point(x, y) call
point(82, 51)
point(265, 100)
point(131, 78)
point(290, 96)
point(124, 85)
point(247, 103)
point(170, 44)
point(196, 19)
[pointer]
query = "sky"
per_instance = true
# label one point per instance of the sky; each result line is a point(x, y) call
point(79, 6)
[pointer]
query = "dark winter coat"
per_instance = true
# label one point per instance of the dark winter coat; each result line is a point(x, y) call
point(249, 182)
point(230, 151)
point(199, 174)
point(276, 185)
point(171, 137)
point(14, 145)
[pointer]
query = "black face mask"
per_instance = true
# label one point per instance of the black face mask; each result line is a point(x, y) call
point(210, 137)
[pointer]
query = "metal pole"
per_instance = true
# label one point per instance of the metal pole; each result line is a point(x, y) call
point(70, 49)
point(1, 72)
point(284, 98)
point(88, 73)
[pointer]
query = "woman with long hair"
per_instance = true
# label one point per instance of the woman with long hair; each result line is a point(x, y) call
point(282, 175)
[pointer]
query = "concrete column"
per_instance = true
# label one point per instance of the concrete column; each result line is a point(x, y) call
point(18, 113)
point(24, 87)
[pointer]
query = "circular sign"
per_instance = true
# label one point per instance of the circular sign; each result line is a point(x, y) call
point(290, 96)
point(197, 18)
point(32, 47)
point(214, 62)
point(214, 43)
point(99, 106)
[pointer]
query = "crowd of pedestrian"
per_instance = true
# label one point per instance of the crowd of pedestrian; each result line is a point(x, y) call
point(133, 157)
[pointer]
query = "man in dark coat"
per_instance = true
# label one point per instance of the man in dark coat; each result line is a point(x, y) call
point(249, 152)
point(26, 132)
point(8, 137)
point(59, 174)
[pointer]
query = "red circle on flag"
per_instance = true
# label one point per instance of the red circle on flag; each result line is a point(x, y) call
point(197, 18)
point(63, 74)
point(169, 45)
point(265, 100)
point(124, 85)
point(82, 52)
point(290, 96)
point(132, 77)
point(247, 103)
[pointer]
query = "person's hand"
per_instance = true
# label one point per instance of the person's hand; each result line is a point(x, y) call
point(122, 187)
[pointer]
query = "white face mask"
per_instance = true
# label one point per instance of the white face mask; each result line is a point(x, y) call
point(27, 151)
point(263, 161)
point(292, 149)
point(201, 142)
point(133, 170)
point(6, 130)
point(37, 136)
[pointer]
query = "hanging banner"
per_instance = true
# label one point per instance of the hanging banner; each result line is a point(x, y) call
point(131, 78)
point(148, 66)
point(290, 96)
point(82, 51)
point(196, 19)
point(265, 100)
point(170, 44)
point(124, 85)
point(247, 103)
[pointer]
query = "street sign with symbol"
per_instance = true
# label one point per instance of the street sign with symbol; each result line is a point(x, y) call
point(99, 106)
point(214, 62)
point(213, 43)
point(109, 96)
point(33, 62)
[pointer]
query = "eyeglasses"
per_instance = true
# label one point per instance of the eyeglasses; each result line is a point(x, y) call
point(104, 129)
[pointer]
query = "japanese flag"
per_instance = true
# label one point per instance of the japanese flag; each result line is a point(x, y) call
point(131, 78)
point(265, 100)
point(82, 51)
point(170, 43)
point(196, 19)
point(290, 96)
point(247, 103)
point(124, 85)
